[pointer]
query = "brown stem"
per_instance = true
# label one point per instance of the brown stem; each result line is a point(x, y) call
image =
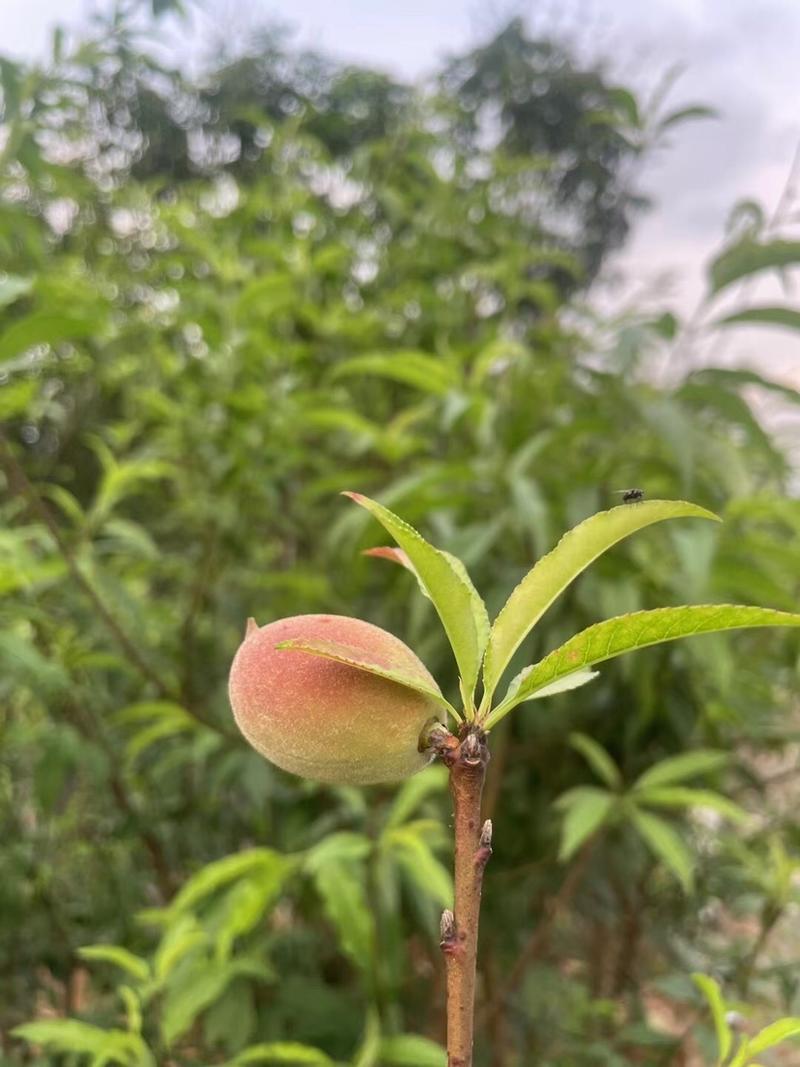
point(473, 846)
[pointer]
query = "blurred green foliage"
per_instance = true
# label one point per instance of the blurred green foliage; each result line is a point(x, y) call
point(223, 302)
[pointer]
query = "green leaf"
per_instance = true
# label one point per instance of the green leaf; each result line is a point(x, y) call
point(120, 957)
point(71, 1036)
point(63, 1035)
point(679, 768)
point(243, 908)
point(763, 316)
point(122, 479)
point(199, 987)
point(166, 7)
point(181, 938)
point(345, 847)
point(261, 862)
point(420, 864)
point(749, 257)
point(676, 796)
point(356, 657)
point(369, 1050)
point(683, 114)
point(553, 573)
point(148, 711)
point(133, 1008)
point(428, 373)
point(565, 801)
point(724, 378)
point(129, 537)
point(342, 887)
point(12, 287)
point(586, 810)
point(16, 398)
point(413, 791)
point(711, 991)
point(626, 104)
point(157, 731)
point(328, 418)
point(454, 597)
point(640, 629)
point(409, 1050)
point(231, 1021)
point(182, 1004)
point(666, 845)
point(666, 325)
point(21, 661)
point(288, 1052)
point(267, 295)
point(42, 327)
point(774, 1034)
point(561, 685)
point(597, 758)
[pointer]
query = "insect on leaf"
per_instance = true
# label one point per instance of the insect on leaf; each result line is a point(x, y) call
point(554, 572)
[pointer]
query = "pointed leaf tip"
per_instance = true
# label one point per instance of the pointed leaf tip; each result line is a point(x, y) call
point(444, 580)
point(666, 845)
point(396, 555)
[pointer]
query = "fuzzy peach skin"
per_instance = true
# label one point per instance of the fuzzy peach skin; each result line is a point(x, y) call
point(326, 720)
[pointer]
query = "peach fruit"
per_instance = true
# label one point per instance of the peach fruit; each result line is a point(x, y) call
point(323, 719)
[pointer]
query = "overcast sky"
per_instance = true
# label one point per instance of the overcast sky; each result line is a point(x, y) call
point(740, 56)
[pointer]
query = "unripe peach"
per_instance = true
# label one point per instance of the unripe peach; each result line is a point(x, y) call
point(327, 720)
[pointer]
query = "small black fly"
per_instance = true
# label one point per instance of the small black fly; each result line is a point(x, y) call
point(631, 496)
